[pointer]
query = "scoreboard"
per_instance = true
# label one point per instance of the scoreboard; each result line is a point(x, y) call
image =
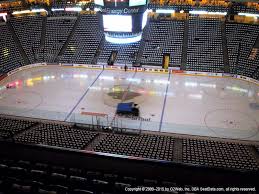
point(137, 2)
point(120, 3)
point(123, 20)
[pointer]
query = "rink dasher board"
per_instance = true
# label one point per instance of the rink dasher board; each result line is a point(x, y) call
point(139, 69)
point(26, 67)
point(120, 68)
point(218, 75)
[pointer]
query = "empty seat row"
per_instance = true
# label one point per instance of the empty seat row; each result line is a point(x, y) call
point(126, 53)
point(205, 52)
point(9, 127)
point(85, 41)
point(57, 31)
point(28, 30)
point(218, 154)
point(57, 135)
point(33, 177)
point(241, 39)
point(145, 146)
point(160, 37)
point(10, 57)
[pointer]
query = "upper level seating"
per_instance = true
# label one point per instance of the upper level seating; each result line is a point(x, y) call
point(183, 6)
point(63, 13)
point(253, 5)
point(84, 43)
point(10, 57)
point(57, 135)
point(9, 127)
point(190, 5)
point(204, 51)
point(212, 8)
point(28, 30)
point(57, 31)
point(242, 37)
point(246, 9)
point(126, 52)
point(59, 3)
point(218, 3)
point(90, 5)
point(218, 154)
point(145, 146)
point(165, 36)
point(11, 6)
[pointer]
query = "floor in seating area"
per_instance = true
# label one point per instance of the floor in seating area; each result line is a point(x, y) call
point(193, 105)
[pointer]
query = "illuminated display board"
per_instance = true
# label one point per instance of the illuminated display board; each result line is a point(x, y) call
point(99, 2)
point(137, 2)
point(117, 23)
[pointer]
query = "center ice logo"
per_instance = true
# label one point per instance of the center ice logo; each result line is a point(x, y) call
point(121, 93)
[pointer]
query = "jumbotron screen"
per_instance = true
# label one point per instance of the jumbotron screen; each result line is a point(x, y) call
point(99, 2)
point(130, 3)
point(117, 23)
point(137, 2)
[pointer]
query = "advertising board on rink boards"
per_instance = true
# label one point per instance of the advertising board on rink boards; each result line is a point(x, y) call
point(142, 69)
point(247, 79)
point(88, 66)
point(26, 67)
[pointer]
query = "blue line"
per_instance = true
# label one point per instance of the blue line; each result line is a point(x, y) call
point(163, 110)
point(129, 85)
point(69, 114)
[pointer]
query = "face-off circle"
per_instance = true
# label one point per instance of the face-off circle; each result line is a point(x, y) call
point(228, 123)
point(20, 101)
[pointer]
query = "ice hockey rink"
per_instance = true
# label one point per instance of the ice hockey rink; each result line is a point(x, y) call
point(172, 103)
